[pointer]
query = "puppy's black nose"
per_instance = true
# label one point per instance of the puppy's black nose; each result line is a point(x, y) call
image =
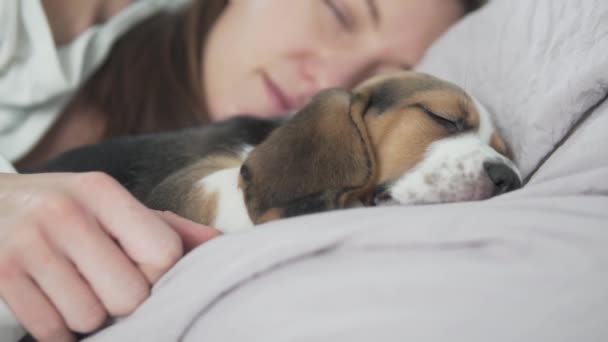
point(504, 178)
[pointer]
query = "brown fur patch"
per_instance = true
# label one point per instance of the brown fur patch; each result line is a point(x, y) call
point(270, 215)
point(201, 206)
point(499, 145)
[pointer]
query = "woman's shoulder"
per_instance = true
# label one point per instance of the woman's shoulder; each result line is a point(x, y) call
point(38, 76)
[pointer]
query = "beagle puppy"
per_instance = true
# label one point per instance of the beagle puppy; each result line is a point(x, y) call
point(403, 138)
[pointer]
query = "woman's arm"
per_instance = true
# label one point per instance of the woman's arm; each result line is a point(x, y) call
point(70, 18)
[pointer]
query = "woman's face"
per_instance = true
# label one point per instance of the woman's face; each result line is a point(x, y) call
point(268, 57)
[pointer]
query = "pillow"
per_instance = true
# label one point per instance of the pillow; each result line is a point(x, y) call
point(537, 66)
point(578, 167)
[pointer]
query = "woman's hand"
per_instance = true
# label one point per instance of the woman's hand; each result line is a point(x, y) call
point(77, 248)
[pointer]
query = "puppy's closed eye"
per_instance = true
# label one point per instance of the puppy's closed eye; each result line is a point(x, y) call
point(451, 125)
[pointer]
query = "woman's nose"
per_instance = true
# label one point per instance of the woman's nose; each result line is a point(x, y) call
point(345, 70)
point(337, 69)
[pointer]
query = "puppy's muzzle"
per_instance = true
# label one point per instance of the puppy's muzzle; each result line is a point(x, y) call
point(497, 178)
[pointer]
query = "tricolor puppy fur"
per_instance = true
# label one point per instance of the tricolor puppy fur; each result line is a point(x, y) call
point(403, 138)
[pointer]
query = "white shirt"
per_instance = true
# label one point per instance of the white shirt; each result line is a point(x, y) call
point(37, 79)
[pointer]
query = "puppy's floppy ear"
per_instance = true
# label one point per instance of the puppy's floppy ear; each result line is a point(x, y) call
point(322, 158)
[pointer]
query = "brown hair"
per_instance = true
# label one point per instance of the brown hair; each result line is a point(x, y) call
point(472, 5)
point(151, 80)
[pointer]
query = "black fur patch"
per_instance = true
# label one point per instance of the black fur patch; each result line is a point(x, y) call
point(140, 163)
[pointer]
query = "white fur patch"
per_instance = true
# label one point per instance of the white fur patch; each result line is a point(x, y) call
point(231, 215)
point(486, 126)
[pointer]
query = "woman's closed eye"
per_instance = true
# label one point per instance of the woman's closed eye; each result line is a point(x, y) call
point(341, 13)
point(451, 125)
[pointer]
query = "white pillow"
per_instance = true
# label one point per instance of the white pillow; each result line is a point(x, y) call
point(537, 65)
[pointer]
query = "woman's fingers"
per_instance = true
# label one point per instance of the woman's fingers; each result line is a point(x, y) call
point(32, 308)
point(146, 239)
point(191, 233)
point(72, 296)
point(115, 280)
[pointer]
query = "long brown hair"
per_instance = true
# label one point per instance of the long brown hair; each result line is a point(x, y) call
point(151, 80)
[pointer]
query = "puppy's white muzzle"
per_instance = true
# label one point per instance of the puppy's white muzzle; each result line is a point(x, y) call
point(460, 168)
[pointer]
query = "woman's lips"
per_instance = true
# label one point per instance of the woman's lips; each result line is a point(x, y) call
point(281, 102)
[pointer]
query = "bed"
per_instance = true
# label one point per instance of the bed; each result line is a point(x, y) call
point(531, 265)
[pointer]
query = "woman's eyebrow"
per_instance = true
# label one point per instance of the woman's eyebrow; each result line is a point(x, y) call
point(373, 10)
